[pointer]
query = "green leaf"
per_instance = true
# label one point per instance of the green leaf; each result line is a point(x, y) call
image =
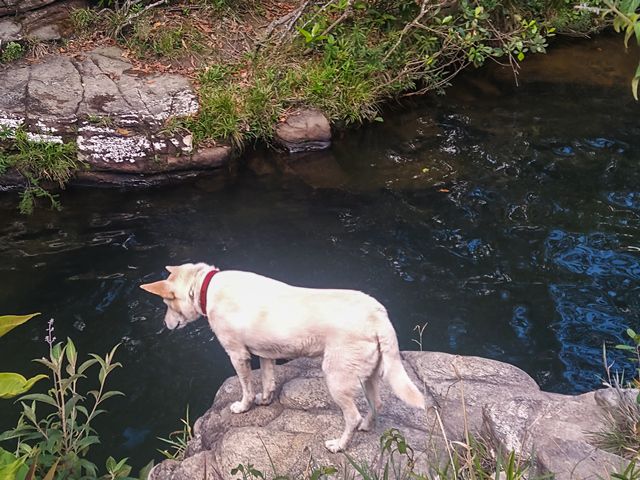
point(11, 467)
point(520, 56)
point(86, 442)
point(40, 397)
point(52, 471)
point(9, 322)
point(14, 384)
point(111, 394)
point(72, 353)
point(56, 352)
point(144, 472)
point(85, 365)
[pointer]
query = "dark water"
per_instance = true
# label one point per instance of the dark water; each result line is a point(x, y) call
point(507, 218)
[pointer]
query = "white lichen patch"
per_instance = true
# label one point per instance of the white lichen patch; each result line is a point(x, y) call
point(114, 149)
point(159, 145)
point(10, 123)
point(184, 103)
point(95, 129)
point(44, 138)
point(43, 127)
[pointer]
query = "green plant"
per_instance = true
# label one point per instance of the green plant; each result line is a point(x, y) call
point(626, 18)
point(474, 460)
point(620, 430)
point(37, 161)
point(630, 472)
point(634, 351)
point(84, 19)
point(178, 440)
point(14, 384)
point(58, 441)
point(11, 52)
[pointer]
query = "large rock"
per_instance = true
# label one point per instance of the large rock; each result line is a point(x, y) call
point(485, 397)
point(12, 7)
point(117, 116)
point(304, 130)
point(45, 24)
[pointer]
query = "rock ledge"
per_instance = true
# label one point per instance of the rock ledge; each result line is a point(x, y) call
point(500, 400)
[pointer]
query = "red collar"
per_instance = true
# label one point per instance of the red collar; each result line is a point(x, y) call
point(203, 290)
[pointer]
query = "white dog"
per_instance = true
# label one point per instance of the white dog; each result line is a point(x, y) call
point(252, 314)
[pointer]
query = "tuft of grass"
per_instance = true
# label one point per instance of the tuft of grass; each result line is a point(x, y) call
point(178, 440)
point(163, 40)
point(475, 460)
point(11, 52)
point(101, 120)
point(84, 20)
point(620, 431)
point(37, 161)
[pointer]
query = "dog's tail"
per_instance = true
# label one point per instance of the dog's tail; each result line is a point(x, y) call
point(392, 369)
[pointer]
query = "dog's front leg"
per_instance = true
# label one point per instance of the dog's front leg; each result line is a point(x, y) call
point(268, 381)
point(242, 363)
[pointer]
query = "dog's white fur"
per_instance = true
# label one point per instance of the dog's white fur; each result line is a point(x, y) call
point(253, 314)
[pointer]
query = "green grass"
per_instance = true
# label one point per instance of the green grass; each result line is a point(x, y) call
point(164, 41)
point(37, 162)
point(84, 20)
point(473, 460)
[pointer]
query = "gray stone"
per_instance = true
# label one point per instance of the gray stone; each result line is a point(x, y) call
point(304, 130)
point(10, 30)
point(12, 7)
point(117, 117)
point(464, 395)
point(611, 397)
point(51, 22)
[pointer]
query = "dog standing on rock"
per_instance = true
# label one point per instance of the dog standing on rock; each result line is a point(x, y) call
point(253, 314)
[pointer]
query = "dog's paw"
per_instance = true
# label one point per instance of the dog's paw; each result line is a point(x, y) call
point(239, 407)
point(333, 445)
point(366, 425)
point(263, 401)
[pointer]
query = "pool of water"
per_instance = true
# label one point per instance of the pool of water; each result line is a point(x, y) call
point(505, 218)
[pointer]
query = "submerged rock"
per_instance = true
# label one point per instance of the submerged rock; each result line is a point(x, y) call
point(486, 397)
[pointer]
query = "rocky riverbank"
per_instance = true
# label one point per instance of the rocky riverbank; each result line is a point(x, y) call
point(465, 395)
point(167, 90)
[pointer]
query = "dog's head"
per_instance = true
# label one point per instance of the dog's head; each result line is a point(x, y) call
point(178, 292)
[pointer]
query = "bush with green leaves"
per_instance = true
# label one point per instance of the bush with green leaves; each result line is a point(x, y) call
point(11, 52)
point(345, 57)
point(55, 431)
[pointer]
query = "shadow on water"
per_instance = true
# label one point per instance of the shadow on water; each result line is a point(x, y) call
point(507, 218)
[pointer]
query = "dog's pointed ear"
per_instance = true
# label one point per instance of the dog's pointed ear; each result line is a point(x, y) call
point(162, 288)
point(171, 269)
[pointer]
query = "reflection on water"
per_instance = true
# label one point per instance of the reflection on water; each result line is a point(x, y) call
point(506, 218)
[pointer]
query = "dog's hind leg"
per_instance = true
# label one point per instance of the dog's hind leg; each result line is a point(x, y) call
point(342, 385)
point(268, 381)
point(372, 392)
point(242, 363)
